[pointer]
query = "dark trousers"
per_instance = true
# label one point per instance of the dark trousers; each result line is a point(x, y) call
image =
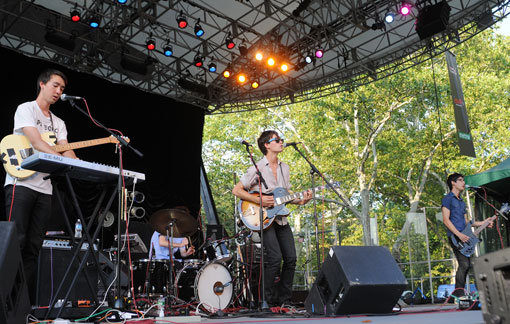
point(278, 277)
point(462, 271)
point(31, 212)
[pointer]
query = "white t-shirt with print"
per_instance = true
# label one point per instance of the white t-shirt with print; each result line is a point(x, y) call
point(29, 114)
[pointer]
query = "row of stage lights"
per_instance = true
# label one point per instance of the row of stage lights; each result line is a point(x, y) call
point(241, 77)
point(404, 10)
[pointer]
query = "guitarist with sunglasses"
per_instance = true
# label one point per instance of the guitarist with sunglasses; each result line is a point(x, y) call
point(28, 201)
point(455, 219)
point(278, 239)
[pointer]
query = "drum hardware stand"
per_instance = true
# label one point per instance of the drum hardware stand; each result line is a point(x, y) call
point(86, 237)
point(119, 304)
point(170, 240)
point(313, 171)
point(263, 303)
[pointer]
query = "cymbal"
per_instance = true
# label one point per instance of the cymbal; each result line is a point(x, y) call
point(183, 223)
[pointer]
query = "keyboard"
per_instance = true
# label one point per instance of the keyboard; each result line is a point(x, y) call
point(78, 169)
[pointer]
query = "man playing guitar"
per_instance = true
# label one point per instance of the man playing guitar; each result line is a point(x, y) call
point(455, 220)
point(278, 239)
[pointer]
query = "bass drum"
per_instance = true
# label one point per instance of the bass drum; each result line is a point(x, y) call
point(210, 285)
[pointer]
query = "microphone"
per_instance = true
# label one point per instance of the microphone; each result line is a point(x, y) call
point(65, 97)
point(221, 288)
point(471, 187)
point(291, 144)
point(245, 143)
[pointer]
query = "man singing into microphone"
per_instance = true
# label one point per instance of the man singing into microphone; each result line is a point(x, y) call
point(455, 220)
point(30, 208)
point(278, 239)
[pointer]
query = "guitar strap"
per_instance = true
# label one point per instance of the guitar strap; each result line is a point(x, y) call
point(51, 121)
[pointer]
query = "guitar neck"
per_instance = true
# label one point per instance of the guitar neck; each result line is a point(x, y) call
point(481, 227)
point(286, 199)
point(76, 145)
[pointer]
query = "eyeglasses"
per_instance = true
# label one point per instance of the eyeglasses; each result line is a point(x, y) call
point(276, 139)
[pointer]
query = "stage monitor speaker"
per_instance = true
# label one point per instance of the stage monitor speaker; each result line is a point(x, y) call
point(53, 263)
point(356, 280)
point(14, 301)
point(492, 273)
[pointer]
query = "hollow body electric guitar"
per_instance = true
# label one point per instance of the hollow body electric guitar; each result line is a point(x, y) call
point(468, 248)
point(249, 211)
point(14, 149)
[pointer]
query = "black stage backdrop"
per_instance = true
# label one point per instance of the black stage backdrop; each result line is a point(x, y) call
point(167, 132)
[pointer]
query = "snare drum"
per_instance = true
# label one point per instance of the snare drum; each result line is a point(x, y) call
point(210, 285)
point(151, 277)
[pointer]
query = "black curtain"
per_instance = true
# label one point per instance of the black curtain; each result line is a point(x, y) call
point(167, 132)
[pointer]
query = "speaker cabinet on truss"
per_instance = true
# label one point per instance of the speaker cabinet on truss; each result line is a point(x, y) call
point(356, 280)
point(432, 19)
point(492, 273)
point(14, 302)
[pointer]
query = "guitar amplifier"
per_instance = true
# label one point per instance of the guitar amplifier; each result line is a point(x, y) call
point(52, 265)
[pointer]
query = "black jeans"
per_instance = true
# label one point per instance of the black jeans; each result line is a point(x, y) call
point(462, 271)
point(279, 244)
point(31, 212)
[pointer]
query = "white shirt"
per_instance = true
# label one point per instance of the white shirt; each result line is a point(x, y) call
point(29, 114)
point(250, 182)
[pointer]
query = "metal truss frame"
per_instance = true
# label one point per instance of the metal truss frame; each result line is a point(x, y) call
point(357, 51)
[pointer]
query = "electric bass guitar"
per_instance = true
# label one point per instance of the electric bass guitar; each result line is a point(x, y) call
point(468, 248)
point(250, 212)
point(14, 149)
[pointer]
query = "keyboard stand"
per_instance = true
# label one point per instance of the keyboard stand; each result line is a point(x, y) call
point(85, 238)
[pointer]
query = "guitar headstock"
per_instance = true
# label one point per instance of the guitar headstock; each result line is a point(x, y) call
point(114, 140)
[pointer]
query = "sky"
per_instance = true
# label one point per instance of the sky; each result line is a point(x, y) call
point(504, 26)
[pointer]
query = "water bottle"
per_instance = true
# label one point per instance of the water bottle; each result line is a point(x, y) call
point(78, 229)
point(161, 307)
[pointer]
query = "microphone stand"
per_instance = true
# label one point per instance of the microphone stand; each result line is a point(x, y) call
point(119, 304)
point(313, 171)
point(263, 303)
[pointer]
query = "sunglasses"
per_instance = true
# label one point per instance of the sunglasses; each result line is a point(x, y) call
point(277, 140)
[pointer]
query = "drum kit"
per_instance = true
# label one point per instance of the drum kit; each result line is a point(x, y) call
point(207, 284)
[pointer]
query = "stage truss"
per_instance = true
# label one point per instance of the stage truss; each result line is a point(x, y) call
point(356, 52)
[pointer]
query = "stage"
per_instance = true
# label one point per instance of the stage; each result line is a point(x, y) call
point(437, 314)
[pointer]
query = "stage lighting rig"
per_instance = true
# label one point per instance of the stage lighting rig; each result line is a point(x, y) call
point(168, 49)
point(405, 8)
point(181, 20)
point(229, 41)
point(199, 31)
point(75, 13)
point(389, 17)
point(95, 21)
point(319, 53)
point(241, 78)
point(255, 84)
point(150, 43)
point(243, 49)
point(198, 61)
point(212, 67)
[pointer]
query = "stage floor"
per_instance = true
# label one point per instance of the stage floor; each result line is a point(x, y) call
point(421, 314)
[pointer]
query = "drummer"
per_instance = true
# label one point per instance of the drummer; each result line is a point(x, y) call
point(161, 247)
